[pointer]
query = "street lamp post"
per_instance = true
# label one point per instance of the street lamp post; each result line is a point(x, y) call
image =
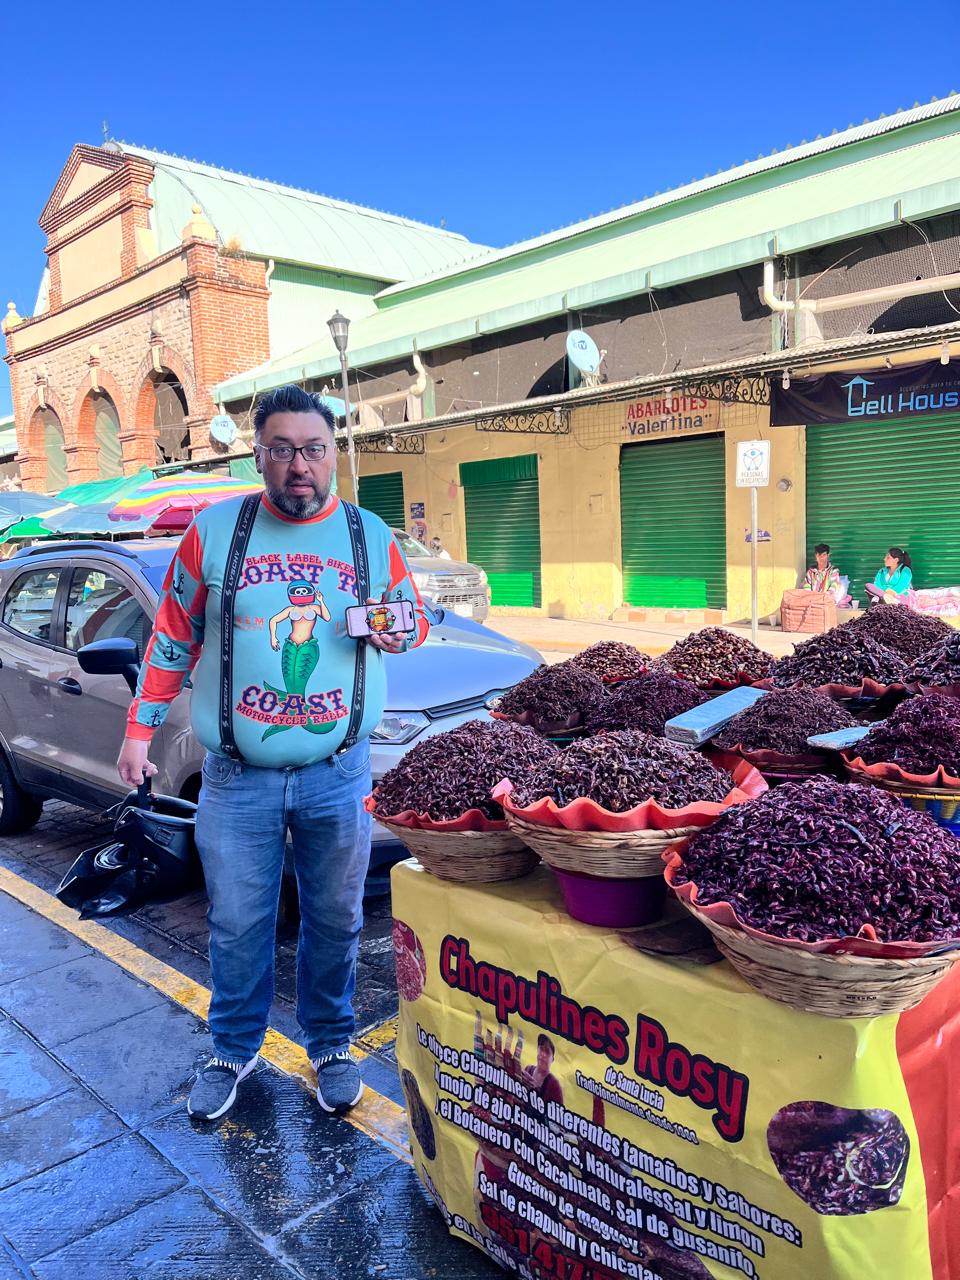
point(339, 326)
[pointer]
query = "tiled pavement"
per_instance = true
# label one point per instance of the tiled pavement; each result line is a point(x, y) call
point(102, 1174)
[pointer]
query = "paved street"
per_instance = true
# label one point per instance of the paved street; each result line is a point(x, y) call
point(102, 1174)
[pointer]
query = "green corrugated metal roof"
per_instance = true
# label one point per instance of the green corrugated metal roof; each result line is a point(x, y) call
point(275, 221)
point(826, 197)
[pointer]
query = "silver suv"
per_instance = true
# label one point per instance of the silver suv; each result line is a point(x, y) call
point(456, 585)
point(61, 725)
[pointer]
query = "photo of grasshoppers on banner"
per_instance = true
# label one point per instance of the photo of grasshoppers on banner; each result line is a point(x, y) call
point(590, 1105)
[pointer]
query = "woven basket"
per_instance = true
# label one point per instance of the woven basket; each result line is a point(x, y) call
point(614, 855)
point(468, 857)
point(834, 986)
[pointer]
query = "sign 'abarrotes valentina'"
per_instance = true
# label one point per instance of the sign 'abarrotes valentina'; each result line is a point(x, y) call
point(911, 391)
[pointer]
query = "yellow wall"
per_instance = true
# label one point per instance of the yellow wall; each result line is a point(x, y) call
point(580, 501)
point(91, 260)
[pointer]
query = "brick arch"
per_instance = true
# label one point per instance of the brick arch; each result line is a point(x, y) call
point(85, 453)
point(33, 406)
point(82, 418)
point(141, 387)
point(36, 450)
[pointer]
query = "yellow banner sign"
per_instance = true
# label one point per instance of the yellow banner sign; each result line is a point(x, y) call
point(582, 1110)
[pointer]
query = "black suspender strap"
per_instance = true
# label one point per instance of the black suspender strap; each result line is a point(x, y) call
point(361, 564)
point(231, 578)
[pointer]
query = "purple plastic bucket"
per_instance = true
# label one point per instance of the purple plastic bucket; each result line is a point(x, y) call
point(616, 904)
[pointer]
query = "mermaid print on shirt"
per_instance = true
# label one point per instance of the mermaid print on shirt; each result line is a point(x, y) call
point(301, 651)
point(296, 583)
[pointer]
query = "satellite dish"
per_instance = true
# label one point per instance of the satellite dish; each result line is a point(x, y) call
point(582, 351)
point(223, 429)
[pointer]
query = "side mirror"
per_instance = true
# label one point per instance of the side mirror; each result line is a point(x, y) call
point(116, 656)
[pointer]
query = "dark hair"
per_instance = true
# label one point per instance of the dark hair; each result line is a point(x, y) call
point(290, 399)
point(544, 1042)
point(822, 548)
point(898, 553)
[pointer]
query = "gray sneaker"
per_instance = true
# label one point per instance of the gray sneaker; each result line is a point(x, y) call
point(339, 1086)
point(215, 1088)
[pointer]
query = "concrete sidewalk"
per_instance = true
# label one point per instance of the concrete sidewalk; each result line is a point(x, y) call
point(103, 1176)
point(558, 638)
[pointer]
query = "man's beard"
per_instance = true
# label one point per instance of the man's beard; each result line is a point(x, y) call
point(296, 507)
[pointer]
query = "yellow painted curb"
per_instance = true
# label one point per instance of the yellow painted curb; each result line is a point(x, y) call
point(378, 1117)
point(380, 1037)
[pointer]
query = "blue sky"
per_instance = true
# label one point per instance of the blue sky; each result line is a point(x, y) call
point(504, 119)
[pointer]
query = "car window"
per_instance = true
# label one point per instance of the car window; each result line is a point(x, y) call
point(100, 607)
point(410, 546)
point(28, 607)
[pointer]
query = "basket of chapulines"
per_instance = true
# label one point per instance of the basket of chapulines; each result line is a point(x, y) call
point(915, 755)
point(937, 669)
point(645, 703)
point(847, 665)
point(612, 661)
point(906, 632)
point(554, 701)
point(602, 813)
point(437, 800)
point(828, 897)
point(716, 659)
point(772, 733)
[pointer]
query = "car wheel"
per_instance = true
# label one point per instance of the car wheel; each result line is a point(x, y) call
point(19, 810)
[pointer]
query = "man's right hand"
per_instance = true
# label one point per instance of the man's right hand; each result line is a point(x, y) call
point(132, 763)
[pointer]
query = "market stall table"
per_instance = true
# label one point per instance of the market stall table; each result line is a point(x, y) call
point(585, 1110)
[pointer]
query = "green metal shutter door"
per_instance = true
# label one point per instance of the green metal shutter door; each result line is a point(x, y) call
point(886, 484)
point(383, 494)
point(673, 523)
point(502, 500)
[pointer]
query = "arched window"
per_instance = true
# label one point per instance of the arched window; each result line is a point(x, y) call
point(169, 417)
point(106, 428)
point(46, 436)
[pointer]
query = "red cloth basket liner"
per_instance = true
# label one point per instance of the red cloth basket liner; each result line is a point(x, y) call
point(887, 771)
point(865, 943)
point(584, 814)
point(472, 820)
point(951, 690)
point(743, 678)
point(777, 760)
point(530, 720)
point(867, 689)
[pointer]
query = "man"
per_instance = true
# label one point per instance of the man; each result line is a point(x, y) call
point(292, 688)
point(824, 577)
point(541, 1077)
point(437, 548)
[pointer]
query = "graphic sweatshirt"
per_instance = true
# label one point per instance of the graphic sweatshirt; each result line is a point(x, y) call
point(293, 662)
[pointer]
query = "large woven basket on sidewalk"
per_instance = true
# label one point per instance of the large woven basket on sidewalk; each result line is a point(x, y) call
point(471, 849)
point(936, 794)
point(834, 986)
point(615, 855)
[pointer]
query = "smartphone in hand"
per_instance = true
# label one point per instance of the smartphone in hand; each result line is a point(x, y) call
point(384, 618)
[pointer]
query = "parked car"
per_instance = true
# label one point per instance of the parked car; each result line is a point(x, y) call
point(453, 584)
point(61, 727)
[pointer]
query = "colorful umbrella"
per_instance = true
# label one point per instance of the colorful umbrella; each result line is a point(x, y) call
point(20, 504)
point(96, 492)
point(187, 492)
point(91, 519)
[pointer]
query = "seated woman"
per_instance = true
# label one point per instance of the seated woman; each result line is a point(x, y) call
point(894, 582)
point(824, 577)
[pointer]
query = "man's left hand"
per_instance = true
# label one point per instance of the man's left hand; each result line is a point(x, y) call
point(388, 643)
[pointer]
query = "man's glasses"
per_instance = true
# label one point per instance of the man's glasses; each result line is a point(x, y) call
point(287, 452)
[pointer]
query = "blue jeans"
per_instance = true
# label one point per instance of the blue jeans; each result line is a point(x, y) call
point(242, 823)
